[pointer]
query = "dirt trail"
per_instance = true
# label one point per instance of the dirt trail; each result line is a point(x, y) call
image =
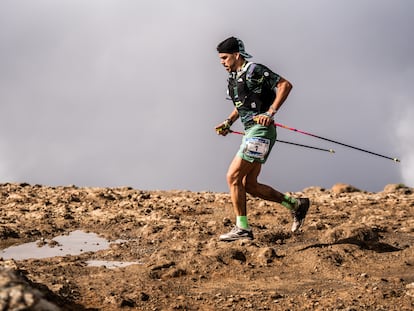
point(356, 251)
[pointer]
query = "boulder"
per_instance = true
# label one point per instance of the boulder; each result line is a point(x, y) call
point(344, 188)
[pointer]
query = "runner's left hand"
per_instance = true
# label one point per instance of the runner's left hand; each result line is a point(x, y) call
point(263, 119)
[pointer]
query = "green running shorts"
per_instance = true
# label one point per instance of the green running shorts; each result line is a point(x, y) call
point(257, 143)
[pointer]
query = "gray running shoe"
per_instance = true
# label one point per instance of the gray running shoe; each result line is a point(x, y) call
point(299, 214)
point(237, 234)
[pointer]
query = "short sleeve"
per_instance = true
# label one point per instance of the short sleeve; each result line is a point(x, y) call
point(269, 78)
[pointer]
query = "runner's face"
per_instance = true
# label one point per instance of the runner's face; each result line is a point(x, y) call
point(229, 61)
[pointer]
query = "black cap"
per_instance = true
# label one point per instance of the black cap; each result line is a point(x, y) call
point(233, 45)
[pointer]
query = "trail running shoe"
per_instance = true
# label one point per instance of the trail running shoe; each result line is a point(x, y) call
point(300, 214)
point(237, 234)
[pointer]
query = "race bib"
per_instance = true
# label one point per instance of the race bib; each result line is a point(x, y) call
point(256, 147)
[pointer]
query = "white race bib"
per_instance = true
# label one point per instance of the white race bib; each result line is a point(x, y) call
point(256, 147)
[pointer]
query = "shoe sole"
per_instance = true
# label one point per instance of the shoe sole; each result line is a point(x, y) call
point(235, 239)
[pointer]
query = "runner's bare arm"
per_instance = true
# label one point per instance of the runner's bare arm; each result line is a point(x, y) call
point(283, 88)
point(223, 127)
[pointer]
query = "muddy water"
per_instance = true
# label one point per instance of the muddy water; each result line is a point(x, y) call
point(111, 264)
point(75, 243)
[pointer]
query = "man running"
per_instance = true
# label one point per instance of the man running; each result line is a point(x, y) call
point(257, 94)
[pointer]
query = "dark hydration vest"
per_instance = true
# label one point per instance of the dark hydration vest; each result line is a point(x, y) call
point(249, 92)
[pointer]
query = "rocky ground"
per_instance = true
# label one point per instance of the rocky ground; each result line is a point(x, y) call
point(356, 251)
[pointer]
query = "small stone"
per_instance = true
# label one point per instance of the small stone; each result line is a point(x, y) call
point(144, 297)
point(410, 286)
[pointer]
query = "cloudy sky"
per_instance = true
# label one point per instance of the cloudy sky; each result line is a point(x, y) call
point(127, 93)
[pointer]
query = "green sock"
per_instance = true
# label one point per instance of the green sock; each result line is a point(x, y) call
point(241, 222)
point(289, 202)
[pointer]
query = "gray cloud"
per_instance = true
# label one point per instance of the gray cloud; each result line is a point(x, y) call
point(109, 93)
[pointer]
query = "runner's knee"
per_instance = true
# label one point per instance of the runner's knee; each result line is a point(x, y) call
point(233, 178)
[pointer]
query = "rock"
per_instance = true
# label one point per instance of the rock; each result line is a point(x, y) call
point(391, 188)
point(175, 273)
point(344, 188)
point(17, 294)
point(313, 190)
point(266, 255)
point(352, 234)
point(144, 297)
point(237, 255)
point(410, 289)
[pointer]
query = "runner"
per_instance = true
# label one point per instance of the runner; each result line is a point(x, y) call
point(257, 94)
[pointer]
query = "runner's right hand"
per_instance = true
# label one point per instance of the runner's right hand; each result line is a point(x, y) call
point(223, 128)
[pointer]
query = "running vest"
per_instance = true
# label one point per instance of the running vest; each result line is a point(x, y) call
point(252, 91)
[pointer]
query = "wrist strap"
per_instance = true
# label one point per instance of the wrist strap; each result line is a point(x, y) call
point(228, 122)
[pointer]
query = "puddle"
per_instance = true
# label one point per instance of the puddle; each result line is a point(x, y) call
point(77, 242)
point(111, 264)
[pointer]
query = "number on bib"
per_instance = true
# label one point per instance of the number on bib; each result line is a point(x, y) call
point(256, 147)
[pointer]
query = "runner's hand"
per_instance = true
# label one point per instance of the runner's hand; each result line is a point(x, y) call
point(223, 128)
point(264, 119)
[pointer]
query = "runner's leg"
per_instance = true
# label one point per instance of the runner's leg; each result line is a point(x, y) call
point(266, 192)
point(236, 174)
point(260, 190)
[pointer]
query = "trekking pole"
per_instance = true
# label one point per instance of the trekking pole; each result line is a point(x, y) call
point(290, 143)
point(336, 142)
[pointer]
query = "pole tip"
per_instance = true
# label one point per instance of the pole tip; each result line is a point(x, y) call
point(396, 160)
point(331, 151)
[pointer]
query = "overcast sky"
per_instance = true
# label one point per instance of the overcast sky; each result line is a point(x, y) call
point(127, 93)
